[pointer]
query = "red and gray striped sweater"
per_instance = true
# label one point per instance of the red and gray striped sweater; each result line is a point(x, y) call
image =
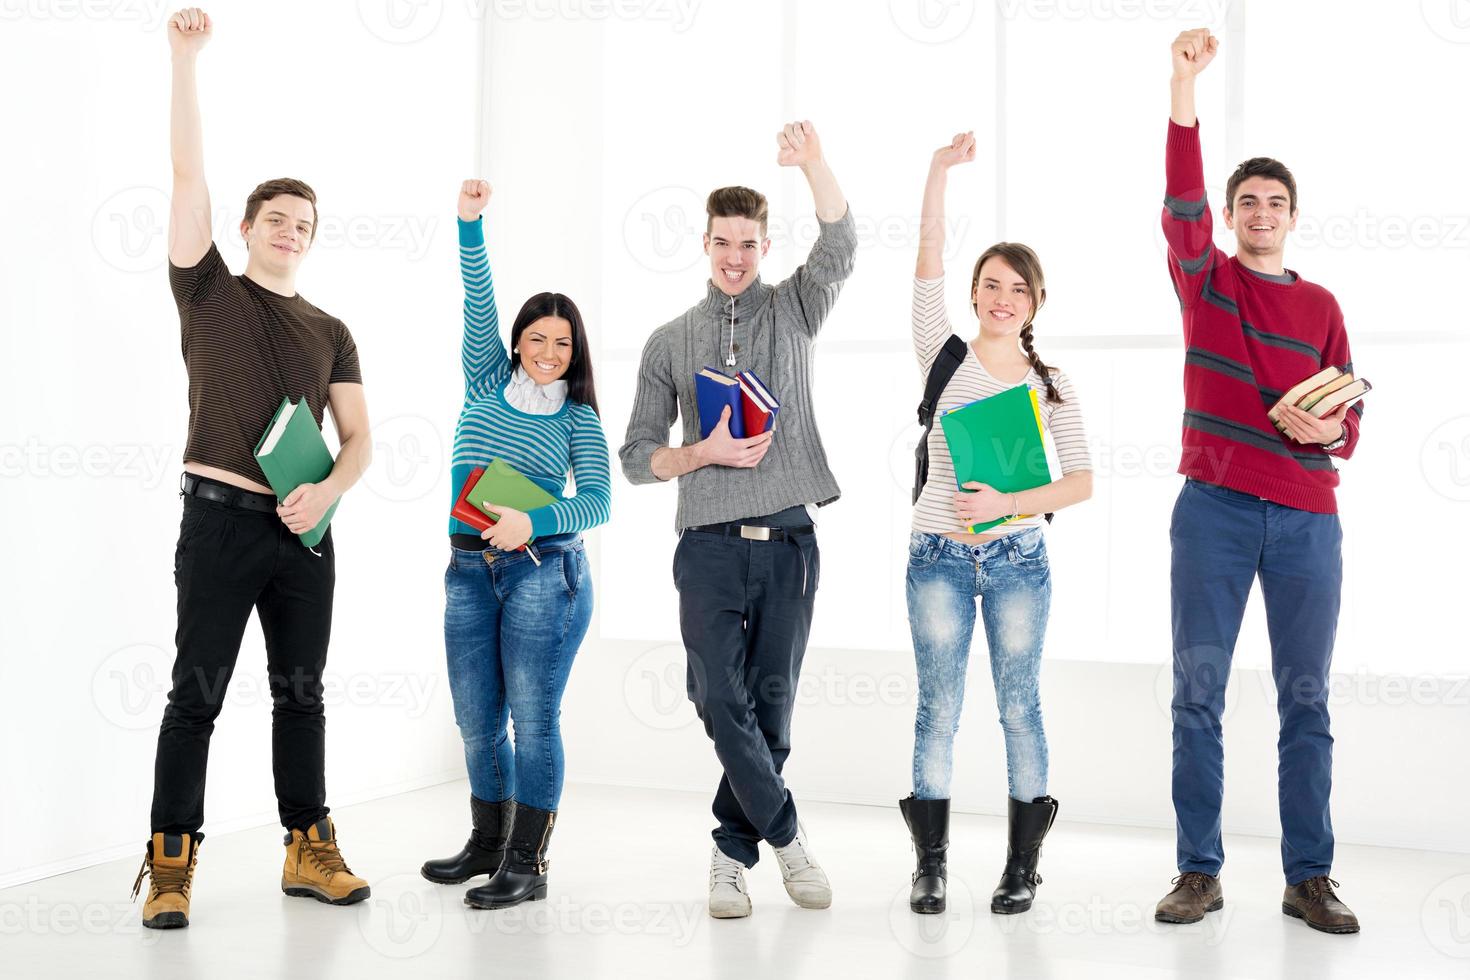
point(1247, 338)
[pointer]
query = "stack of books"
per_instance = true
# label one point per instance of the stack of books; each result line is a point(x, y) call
point(1321, 394)
point(752, 406)
point(1001, 442)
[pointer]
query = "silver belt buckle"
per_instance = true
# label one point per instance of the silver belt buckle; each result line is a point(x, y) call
point(752, 532)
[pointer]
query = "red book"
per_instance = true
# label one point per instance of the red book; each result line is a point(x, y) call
point(758, 405)
point(467, 512)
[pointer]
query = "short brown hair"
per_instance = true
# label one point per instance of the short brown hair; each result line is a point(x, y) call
point(736, 202)
point(1260, 167)
point(275, 188)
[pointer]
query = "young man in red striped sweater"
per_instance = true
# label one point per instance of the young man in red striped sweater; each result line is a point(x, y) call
point(1255, 503)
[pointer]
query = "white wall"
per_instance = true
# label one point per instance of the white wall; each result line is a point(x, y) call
point(602, 132)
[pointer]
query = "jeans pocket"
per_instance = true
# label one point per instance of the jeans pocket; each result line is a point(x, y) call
point(1028, 548)
point(571, 570)
point(195, 512)
point(923, 549)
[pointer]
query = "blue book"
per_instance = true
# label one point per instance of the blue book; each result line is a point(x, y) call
point(713, 392)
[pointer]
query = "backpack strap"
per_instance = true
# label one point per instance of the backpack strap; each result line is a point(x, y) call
point(946, 363)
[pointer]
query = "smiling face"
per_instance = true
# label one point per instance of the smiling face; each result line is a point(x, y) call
point(1001, 298)
point(1260, 216)
point(281, 234)
point(545, 349)
point(735, 247)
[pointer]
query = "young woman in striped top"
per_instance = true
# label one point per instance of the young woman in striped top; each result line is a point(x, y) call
point(1006, 568)
point(513, 619)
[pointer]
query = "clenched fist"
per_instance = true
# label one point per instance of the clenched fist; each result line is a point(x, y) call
point(473, 196)
point(799, 145)
point(1192, 51)
point(189, 30)
point(960, 150)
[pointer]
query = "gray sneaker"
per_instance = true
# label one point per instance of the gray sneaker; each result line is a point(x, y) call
point(803, 877)
point(728, 898)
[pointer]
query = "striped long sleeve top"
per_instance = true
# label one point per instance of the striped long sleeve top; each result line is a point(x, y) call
point(1247, 337)
point(934, 510)
point(542, 447)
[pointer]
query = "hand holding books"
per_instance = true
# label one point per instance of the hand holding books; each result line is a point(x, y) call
point(1312, 411)
point(512, 528)
point(982, 504)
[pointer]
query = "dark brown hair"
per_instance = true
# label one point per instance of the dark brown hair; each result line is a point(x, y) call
point(1260, 167)
point(736, 202)
point(1028, 267)
point(579, 370)
point(275, 188)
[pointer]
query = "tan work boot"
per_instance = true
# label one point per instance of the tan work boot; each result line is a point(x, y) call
point(315, 869)
point(169, 861)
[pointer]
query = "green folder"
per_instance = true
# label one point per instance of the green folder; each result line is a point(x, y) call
point(1000, 441)
point(292, 452)
point(505, 485)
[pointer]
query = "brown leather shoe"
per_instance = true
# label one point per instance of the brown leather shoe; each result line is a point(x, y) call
point(169, 861)
point(315, 868)
point(1194, 894)
point(1314, 902)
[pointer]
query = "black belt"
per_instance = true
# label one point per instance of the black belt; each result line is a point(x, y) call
point(754, 532)
point(206, 489)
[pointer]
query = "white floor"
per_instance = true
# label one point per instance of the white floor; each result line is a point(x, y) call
point(627, 899)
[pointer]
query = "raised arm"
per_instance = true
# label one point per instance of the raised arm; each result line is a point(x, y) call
point(483, 352)
point(819, 279)
point(928, 316)
point(189, 232)
point(1188, 225)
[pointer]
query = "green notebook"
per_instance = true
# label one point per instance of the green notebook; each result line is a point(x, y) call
point(505, 485)
point(1000, 441)
point(292, 452)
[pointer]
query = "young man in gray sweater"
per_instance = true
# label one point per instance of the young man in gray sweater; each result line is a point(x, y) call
point(747, 563)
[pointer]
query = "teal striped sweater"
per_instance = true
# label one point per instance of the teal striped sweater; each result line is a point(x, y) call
point(543, 447)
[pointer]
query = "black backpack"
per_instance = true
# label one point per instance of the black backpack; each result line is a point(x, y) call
point(950, 357)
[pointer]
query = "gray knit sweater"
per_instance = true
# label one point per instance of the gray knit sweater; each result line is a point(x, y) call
point(774, 327)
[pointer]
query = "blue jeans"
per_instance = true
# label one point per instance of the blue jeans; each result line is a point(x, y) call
point(511, 630)
point(1012, 578)
point(1222, 541)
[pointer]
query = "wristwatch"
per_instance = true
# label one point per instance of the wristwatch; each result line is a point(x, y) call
point(1337, 443)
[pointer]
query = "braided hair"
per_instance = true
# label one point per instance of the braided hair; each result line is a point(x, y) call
point(1026, 265)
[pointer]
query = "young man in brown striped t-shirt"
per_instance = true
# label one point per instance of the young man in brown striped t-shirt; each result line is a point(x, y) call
point(248, 341)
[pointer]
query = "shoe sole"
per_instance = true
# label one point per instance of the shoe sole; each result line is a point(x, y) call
point(734, 914)
point(537, 894)
point(1214, 906)
point(351, 898)
point(926, 909)
point(453, 881)
point(809, 904)
point(1333, 930)
point(1009, 909)
point(167, 920)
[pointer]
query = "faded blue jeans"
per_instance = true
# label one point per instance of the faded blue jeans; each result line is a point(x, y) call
point(511, 630)
point(1012, 578)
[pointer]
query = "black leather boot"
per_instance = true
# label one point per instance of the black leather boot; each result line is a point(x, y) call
point(928, 822)
point(1029, 824)
point(522, 875)
point(483, 852)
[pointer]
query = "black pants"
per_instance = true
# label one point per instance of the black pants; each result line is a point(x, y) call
point(229, 561)
point(745, 610)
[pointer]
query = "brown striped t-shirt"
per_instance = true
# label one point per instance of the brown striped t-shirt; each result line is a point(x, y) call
point(246, 348)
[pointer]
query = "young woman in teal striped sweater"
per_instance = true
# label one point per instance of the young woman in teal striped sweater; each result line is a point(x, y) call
point(513, 619)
